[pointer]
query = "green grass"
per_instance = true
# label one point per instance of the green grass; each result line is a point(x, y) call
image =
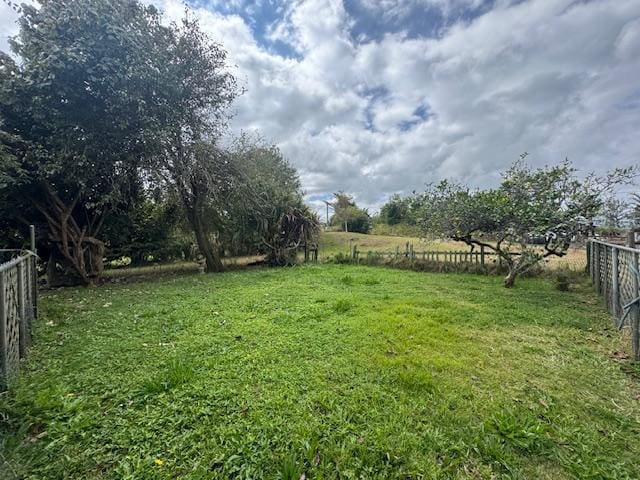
point(327, 370)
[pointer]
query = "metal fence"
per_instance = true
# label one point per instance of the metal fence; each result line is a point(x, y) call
point(615, 276)
point(18, 309)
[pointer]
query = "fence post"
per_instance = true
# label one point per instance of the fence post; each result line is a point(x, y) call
point(482, 255)
point(597, 266)
point(635, 320)
point(615, 285)
point(23, 330)
point(3, 333)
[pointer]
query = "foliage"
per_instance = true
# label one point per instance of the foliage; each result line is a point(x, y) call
point(634, 211)
point(266, 212)
point(398, 210)
point(150, 229)
point(349, 215)
point(233, 376)
point(550, 203)
point(614, 212)
point(198, 90)
point(77, 113)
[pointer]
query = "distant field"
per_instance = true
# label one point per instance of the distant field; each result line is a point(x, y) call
point(341, 242)
point(323, 372)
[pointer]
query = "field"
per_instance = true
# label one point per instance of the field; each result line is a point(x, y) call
point(325, 371)
point(332, 243)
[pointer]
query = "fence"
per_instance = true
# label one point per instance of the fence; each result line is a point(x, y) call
point(615, 275)
point(18, 309)
point(443, 256)
point(481, 257)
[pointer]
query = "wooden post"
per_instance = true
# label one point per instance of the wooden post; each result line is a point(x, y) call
point(635, 319)
point(605, 276)
point(397, 251)
point(615, 285)
point(631, 239)
point(589, 257)
point(33, 273)
point(32, 238)
point(482, 255)
point(596, 264)
point(3, 334)
point(23, 328)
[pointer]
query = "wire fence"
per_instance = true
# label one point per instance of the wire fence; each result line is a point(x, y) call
point(615, 275)
point(18, 310)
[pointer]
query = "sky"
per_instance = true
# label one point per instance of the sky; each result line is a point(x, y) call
point(376, 97)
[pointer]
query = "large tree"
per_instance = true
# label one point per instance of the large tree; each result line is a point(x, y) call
point(198, 88)
point(78, 112)
point(550, 203)
point(266, 211)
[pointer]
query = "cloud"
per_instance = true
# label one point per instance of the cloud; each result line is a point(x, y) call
point(374, 113)
point(8, 25)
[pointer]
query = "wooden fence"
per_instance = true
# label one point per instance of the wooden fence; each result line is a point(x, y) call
point(18, 309)
point(478, 257)
point(615, 275)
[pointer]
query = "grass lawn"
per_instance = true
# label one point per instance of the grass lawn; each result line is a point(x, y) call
point(327, 370)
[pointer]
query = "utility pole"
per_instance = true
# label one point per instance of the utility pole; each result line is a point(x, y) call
point(329, 204)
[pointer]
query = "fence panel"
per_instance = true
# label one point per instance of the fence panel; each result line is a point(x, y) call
point(18, 309)
point(615, 276)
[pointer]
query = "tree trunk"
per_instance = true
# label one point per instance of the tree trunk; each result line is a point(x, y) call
point(214, 263)
point(77, 245)
point(194, 200)
point(510, 279)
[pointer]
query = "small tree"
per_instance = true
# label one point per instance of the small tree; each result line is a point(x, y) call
point(266, 210)
point(549, 203)
point(633, 214)
point(395, 211)
point(614, 212)
point(349, 215)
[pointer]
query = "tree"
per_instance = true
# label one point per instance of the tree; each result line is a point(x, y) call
point(395, 211)
point(78, 112)
point(550, 202)
point(349, 215)
point(633, 214)
point(614, 212)
point(197, 91)
point(399, 210)
point(267, 210)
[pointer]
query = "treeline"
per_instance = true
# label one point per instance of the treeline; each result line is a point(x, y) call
point(111, 142)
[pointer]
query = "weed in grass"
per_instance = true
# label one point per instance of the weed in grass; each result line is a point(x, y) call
point(342, 306)
point(520, 428)
point(347, 280)
point(178, 372)
point(290, 469)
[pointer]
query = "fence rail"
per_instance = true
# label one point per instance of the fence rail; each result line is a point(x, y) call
point(615, 275)
point(574, 260)
point(18, 309)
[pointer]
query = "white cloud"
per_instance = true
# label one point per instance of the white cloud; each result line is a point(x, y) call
point(8, 25)
point(556, 78)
